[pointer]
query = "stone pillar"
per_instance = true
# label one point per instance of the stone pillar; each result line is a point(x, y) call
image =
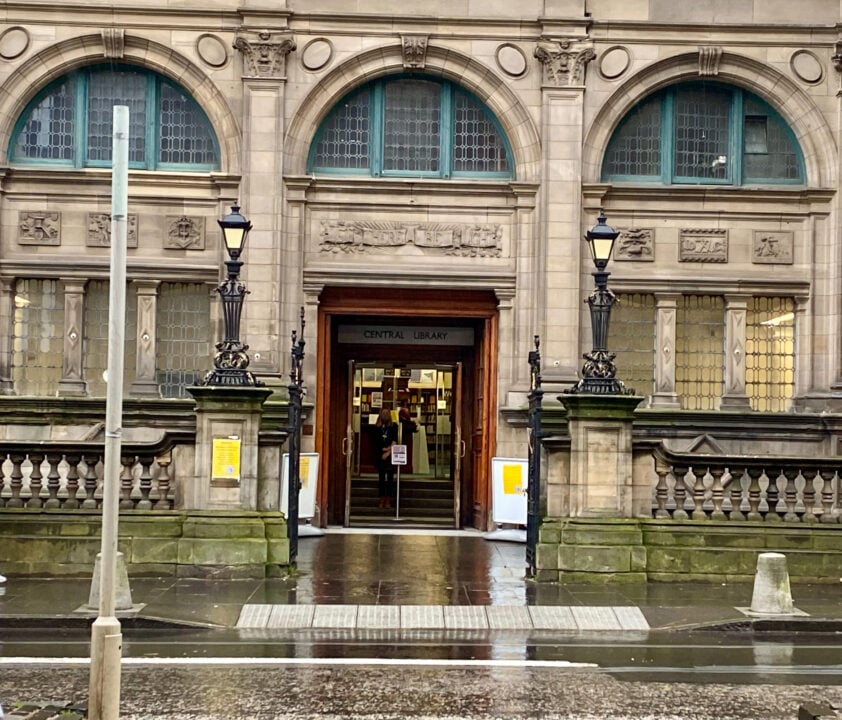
point(72, 363)
point(146, 381)
point(7, 333)
point(558, 246)
point(665, 395)
point(600, 476)
point(231, 417)
point(735, 353)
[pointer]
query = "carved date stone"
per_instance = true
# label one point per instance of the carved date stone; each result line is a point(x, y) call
point(703, 245)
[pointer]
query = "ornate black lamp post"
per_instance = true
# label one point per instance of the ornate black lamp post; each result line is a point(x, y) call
point(598, 371)
point(296, 394)
point(231, 360)
point(536, 395)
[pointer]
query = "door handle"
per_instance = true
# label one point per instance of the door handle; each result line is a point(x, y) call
point(461, 449)
point(345, 446)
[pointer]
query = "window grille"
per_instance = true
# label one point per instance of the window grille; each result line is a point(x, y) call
point(184, 336)
point(770, 353)
point(703, 133)
point(632, 337)
point(700, 351)
point(96, 338)
point(38, 337)
point(70, 122)
point(411, 127)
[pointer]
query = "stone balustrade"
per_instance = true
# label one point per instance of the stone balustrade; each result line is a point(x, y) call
point(694, 486)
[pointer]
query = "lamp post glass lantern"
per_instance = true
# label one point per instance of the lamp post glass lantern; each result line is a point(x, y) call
point(598, 372)
point(231, 360)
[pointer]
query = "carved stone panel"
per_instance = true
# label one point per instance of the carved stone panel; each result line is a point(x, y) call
point(185, 233)
point(772, 247)
point(703, 245)
point(564, 61)
point(39, 228)
point(468, 240)
point(635, 244)
point(113, 42)
point(265, 56)
point(710, 57)
point(414, 50)
point(99, 230)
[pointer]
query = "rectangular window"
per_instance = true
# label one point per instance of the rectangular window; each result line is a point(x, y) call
point(770, 353)
point(755, 135)
point(702, 118)
point(184, 334)
point(700, 351)
point(96, 338)
point(105, 90)
point(632, 337)
point(37, 348)
point(412, 127)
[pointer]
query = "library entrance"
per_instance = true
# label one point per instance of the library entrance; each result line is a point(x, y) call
point(426, 366)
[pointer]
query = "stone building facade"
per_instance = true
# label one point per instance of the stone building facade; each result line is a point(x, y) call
point(708, 132)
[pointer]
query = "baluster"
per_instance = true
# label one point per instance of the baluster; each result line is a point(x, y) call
point(791, 494)
point(773, 496)
point(126, 482)
point(17, 459)
point(699, 494)
point(754, 474)
point(145, 483)
point(2, 483)
point(53, 480)
point(717, 493)
point(736, 495)
point(72, 502)
point(163, 483)
point(90, 503)
point(661, 492)
point(680, 492)
point(35, 500)
point(810, 495)
point(827, 497)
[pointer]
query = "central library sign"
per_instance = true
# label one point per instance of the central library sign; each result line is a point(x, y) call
point(405, 335)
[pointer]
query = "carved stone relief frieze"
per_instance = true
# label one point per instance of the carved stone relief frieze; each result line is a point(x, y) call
point(564, 61)
point(772, 247)
point(703, 245)
point(709, 59)
point(185, 233)
point(39, 228)
point(266, 55)
point(635, 244)
point(114, 42)
point(477, 240)
point(99, 230)
point(414, 51)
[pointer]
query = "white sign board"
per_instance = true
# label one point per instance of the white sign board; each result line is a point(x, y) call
point(398, 454)
point(308, 472)
point(509, 489)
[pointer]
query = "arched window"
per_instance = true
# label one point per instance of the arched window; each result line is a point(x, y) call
point(703, 133)
point(411, 127)
point(69, 123)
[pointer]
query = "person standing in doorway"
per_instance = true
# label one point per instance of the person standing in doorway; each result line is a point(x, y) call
point(386, 435)
point(408, 427)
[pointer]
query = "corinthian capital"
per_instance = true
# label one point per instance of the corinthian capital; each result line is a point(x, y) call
point(265, 56)
point(564, 61)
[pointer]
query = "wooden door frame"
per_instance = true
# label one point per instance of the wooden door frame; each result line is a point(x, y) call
point(416, 304)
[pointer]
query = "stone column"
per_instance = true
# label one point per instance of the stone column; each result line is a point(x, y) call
point(7, 333)
point(264, 57)
point(146, 380)
point(665, 395)
point(600, 477)
point(555, 295)
point(72, 363)
point(735, 353)
point(227, 421)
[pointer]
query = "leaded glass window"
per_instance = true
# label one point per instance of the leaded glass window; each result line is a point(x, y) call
point(96, 338)
point(632, 337)
point(699, 351)
point(770, 353)
point(70, 122)
point(38, 336)
point(411, 127)
point(184, 331)
point(703, 133)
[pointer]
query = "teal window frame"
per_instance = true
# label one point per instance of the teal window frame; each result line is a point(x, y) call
point(377, 112)
point(152, 124)
point(736, 141)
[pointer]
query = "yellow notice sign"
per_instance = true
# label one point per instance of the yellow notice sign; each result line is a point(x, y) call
point(304, 471)
point(226, 459)
point(512, 479)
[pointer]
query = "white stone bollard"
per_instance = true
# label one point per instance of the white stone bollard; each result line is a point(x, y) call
point(122, 591)
point(772, 594)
